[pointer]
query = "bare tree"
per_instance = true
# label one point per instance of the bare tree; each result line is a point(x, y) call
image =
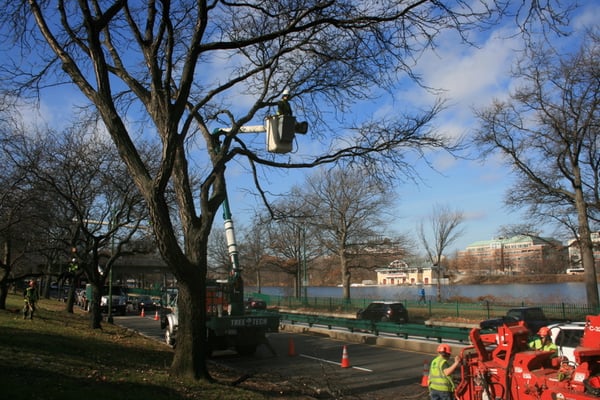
point(548, 133)
point(254, 250)
point(101, 209)
point(442, 230)
point(155, 57)
point(349, 208)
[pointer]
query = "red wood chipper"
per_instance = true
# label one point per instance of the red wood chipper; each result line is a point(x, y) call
point(501, 366)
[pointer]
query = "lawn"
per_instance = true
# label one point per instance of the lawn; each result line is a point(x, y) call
point(57, 356)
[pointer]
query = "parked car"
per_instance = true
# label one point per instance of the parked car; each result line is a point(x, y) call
point(567, 336)
point(533, 317)
point(255, 304)
point(146, 303)
point(384, 311)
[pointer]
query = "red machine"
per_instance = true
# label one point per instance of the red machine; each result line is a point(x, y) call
point(500, 366)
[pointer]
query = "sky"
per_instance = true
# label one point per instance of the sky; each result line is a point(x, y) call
point(470, 77)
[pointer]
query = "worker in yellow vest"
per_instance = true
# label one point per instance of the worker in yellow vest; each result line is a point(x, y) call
point(441, 386)
point(543, 341)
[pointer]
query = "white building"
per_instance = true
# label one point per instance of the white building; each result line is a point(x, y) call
point(399, 273)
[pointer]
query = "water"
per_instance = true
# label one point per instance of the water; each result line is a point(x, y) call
point(569, 292)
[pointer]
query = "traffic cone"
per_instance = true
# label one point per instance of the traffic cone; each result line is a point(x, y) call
point(156, 317)
point(425, 377)
point(143, 314)
point(291, 348)
point(345, 360)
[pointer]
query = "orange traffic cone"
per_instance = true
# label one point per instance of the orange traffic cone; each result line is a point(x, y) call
point(291, 348)
point(156, 317)
point(425, 377)
point(143, 314)
point(345, 360)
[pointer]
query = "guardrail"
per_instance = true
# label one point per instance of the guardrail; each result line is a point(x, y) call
point(440, 333)
point(475, 311)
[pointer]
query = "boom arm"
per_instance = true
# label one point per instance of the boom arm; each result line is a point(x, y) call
point(236, 283)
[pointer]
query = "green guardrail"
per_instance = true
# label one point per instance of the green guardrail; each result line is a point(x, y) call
point(475, 311)
point(440, 333)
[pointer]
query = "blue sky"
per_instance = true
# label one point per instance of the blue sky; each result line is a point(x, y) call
point(470, 77)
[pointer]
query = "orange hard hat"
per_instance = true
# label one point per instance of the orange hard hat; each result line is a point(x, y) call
point(444, 348)
point(544, 331)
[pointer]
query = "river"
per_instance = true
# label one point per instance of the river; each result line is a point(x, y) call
point(568, 292)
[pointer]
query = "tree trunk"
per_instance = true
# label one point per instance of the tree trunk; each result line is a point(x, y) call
point(192, 349)
point(586, 248)
point(95, 311)
point(3, 294)
point(345, 277)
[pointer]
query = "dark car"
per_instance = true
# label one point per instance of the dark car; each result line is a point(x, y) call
point(533, 317)
point(383, 311)
point(255, 304)
point(146, 303)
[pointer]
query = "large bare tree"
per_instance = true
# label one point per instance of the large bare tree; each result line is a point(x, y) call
point(181, 64)
point(547, 132)
point(99, 206)
point(348, 207)
point(441, 230)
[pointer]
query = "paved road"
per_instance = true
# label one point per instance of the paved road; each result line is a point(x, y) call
point(375, 372)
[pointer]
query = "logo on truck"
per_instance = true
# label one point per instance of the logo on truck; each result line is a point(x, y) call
point(248, 322)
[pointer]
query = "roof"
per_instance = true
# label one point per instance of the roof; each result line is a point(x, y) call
point(533, 240)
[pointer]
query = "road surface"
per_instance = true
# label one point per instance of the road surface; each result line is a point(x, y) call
point(317, 363)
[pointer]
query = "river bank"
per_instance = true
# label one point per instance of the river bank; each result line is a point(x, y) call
point(523, 279)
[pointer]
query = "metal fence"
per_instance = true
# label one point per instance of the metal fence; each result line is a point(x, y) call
point(431, 309)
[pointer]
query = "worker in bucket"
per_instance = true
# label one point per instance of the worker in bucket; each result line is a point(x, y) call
point(441, 385)
point(543, 341)
point(283, 105)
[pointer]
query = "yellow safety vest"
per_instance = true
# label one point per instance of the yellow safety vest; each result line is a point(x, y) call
point(538, 344)
point(437, 379)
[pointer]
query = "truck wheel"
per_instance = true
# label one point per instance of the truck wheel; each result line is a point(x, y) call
point(169, 339)
point(246, 350)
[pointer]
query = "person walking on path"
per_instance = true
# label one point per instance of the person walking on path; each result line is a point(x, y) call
point(30, 297)
point(422, 296)
point(441, 385)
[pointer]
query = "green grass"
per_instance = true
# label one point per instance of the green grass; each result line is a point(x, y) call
point(57, 356)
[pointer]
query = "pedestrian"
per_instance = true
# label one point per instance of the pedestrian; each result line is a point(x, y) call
point(441, 385)
point(30, 297)
point(422, 295)
point(543, 341)
point(283, 105)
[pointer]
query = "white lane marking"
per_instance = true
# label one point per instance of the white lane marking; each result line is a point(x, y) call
point(333, 362)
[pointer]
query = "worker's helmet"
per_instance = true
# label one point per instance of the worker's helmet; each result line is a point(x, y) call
point(444, 348)
point(544, 331)
point(286, 92)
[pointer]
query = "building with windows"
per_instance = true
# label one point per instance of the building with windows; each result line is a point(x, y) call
point(399, 272)
point(514, 255)
point(575, 252)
